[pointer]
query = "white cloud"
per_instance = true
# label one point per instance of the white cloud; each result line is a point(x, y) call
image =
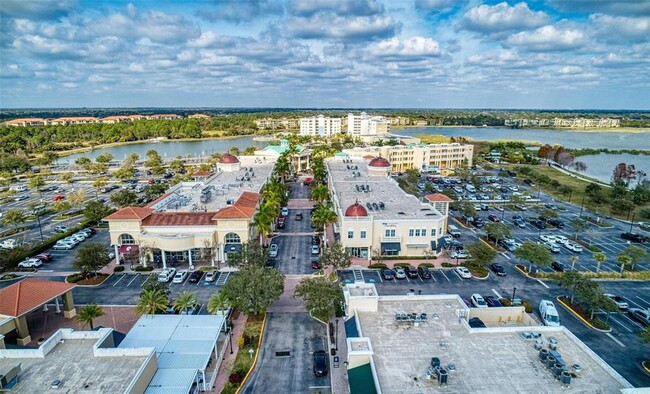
point(338, 7)
point(548, 38)
point(621, 29)
point(503, 17)
point(327, 26)
point(571, 70)
point(413, 47)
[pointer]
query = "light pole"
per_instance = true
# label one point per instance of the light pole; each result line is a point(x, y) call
point(40, 229)
point(631, 223)
point(570, 194)
point(582, 205)
point(514, 290)
point(336, 341)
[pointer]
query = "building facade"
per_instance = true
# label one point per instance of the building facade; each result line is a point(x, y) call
point(320, 125)
point(365, 124)
point(428, 158)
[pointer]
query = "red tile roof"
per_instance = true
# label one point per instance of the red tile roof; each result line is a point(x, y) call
point(437, 197)
point(29, 294)
point(179, 219)
point(130, 213)
point(244, 208)
point(202, 173)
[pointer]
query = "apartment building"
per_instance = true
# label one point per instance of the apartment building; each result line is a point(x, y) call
point(428, 158)
point(320, 125)
point(365, 124)
point(375, 216)
point(400, 121)
point(564, 122)
point(24, 122)
point(272, 124)
point(78, 120)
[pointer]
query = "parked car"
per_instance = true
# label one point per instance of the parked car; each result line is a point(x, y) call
point(559, 267)
point(10, 244)
point(315, 240)
point(463, 272)
point(30, 263)
point(555, 223)
point(552, 247)
point(315, 264)
point(58, 197)
point(195, 276)
point(411, 272)
point(510, 244)
point(21, 198)
point(519, 223)
point(79, 236)
point(478, 222)
point(640, 315)
point(273, 250)
point(400, 273)
point(211, 276)
point(561, 239)
point(180, 277)
point(574, 247)
point(521, 207)
point(493, 218)
point(459, 254)
point(320, 363)
point(498, 269)
point(166, 275)
point(540, 224)
point(315, 250)
point(44, 257)
point(492, 301)
point(285, 211)
point(619, 301)
point(424, 272)
point(281, 222)
point(387, 274)
point(89, 231)
point(63, 245)
point(634, 237)
point(478, 301)
point(299, 216)
point(547, 238)
point(475, 322)
point(60, 229)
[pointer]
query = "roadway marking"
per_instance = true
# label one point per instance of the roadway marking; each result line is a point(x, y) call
point(542, 283)
point(615, 340)
point(443, 274)
point(134, 278)
point(145, 281)
point(458, 275)
point(118, 281)
point(618, 322)
point(504, 254)
point(497, 293)
point(646, 301)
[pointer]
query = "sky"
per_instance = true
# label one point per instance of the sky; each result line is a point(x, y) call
point(537, 54)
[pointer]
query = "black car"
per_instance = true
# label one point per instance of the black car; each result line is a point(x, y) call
point(195, 276)
point(478, 222)
point(315, 240)
point(475, 322)
point(424, 272)
point(387, 274)
point(320, 363)
point(559, 267)
point(270, 263)
point(299, 216)
point(556, 223)
point(492, 301)
point(634, 237)
point(539, 224)
point(411, 272)
point(498, 269)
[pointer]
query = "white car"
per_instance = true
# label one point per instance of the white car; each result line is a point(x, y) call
point(63, 245)
point(211, 276)
point(547, 238)
point(464, 272)
point(273, 250)
point(9, 244)
point(552, 246)
point(574, 247)
point(79, 237)
point(166, 274)
point(30, 263)
point(180, 277)
point(285, 211)
point(399, 272)
point(315, 250)
point(619, 301)
point(60, 229)
point(478, 301)
point(561, 239)
point(459, 254)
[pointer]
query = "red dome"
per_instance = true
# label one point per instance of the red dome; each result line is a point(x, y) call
point(379, 162)
point(228, 159)
point(356, 209)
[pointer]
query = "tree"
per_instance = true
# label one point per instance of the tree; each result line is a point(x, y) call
point(76, 198)
point(151, 301)
point(14, 217)
point(574, 260)
point(99, 183)
point(131, 159)
point(497, 231)
point(534, 253)
point(335, 256)
point(36, 183)
point(571, 281)
point(645, 335)
point(152, 284)
point(621, 206)
point(152, 192)
point(254, 289)
point(580, 166)
point(89, 313)
point(218, 302)
point(90, 258)
point(124, 198)
point(644, 213)
point(579, 225)
point(96, 211)
point(322, 217)
point(322, 297)
point(250, 255)
point(263, 220)
point(467, 208)
point(124, 172)
point(67, 177)
point(60, 206)
point(623, 260)
point(637, 255)
point(623, 172)
point(319, 193)
point(481, 253)
point(153, 159)
point(282, 167)
point(82, 161)
point(186, 300)
point(599, 258)
point(104, 158)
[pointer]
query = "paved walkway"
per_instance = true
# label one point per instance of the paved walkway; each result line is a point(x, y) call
point(229, 359)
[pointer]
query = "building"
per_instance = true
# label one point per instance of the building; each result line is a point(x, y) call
point(24, 122)
point(400, 121)
point(73, 120)
point(564, 122)
point(199, 116)
point(365, 124)
point(197, 222)
point(164, 117)
point(300, 159)
point(375, 216)
point(273, 124)
point(320, 125)
point(428, 158)
point(394, 344)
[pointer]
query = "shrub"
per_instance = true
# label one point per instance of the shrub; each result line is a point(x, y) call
point(527, 306)
point(8, 276)
point(142, 268)
point(447, 265)
point(600, 324)
point(505, 301)
point(401, 265)
point(118, 268)
point(74, 278)
point(594, 248)
point(229, 388)
point(377, 266)
point(207, 268)
point(234, 378)
point(428, 265)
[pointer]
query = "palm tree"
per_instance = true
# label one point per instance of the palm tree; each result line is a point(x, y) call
point(186, 300)
point(218, 302)
point(88, 313)
point(599, 258)
point(320, 193)
point(624, 260)
point(151, 302)
point(574, 260)
point(263, 220)
point(282, 167)
point(322, 217)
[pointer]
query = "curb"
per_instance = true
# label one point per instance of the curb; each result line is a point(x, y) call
point(257, 353)
point(98, 284)
point(524, 273)
point(580, 317)
point(461, 224)
point(647, 369)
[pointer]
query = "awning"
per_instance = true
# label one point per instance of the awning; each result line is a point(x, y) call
point(129, 249)
point(442, 242)
point(390, 247)
point(231, 248)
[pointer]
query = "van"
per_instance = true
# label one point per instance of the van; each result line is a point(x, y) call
point(548, 313)
point(453, 230)
point(20, 188)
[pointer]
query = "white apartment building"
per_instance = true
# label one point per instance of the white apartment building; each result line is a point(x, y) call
point(320, 125)
point(562, 122)
point(375, 216)
point(365, 124)
point(430, 158)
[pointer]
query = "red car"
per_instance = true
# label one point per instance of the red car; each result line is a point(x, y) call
point(315, 264)
point(493, 218)
point(58, 197)
point(44, 257)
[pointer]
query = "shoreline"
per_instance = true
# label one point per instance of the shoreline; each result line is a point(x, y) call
point(570, 129)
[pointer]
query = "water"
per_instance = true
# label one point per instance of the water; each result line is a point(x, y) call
point(170, 149)
point(601, 166)
point(568, 139)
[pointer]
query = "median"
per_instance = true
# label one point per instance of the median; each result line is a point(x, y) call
point(583, 315)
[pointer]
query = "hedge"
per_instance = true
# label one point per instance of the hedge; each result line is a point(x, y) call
point(428, 265)
point(407, 258)
point(641, 275)
point(118, 268)
point(142, 268)
point(377, 266)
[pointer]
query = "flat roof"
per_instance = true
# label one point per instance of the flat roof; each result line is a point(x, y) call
point(225, 187)
point(72, 362)
point(485, 362)
point(398, 205)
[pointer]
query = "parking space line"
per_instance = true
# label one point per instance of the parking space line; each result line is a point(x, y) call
point(445, 275)
point(504, 254)
point(458, 275)
point(613, 318)
point(134, 278)
point(615, 340)
point(146, 280)
point(496, 293)
point(644, 300)
point(633, 321)
point(118, 281)
point(542, 283)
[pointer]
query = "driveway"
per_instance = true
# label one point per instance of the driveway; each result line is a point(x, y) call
point(286, 360)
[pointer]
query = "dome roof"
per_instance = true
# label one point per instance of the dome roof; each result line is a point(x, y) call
point(228, 159)
point(379, 162)
point(356, 209)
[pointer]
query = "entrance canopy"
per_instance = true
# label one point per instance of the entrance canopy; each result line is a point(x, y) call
point(29, 294)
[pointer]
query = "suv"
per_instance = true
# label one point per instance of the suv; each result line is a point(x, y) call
point(299, 216)
point(30, 263)
point(273, 250)
point(60, 229)
point(641, 315)
point(411, 272)
point(478, 301)
point(424, 272)
point(633, 237)
point(320, 363)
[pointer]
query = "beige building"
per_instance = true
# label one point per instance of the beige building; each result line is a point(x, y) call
point(194, 223)
point(375, 216)
point(430, 158)
point(365, 124)
point(283, 123)
point(320, 125)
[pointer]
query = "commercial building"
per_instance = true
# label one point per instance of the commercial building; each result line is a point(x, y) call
point(320, 125)
point(365, 124)
point(375, 216)
point(424, 343)
point(197, 222)
point(429, 158)
point(300, 158)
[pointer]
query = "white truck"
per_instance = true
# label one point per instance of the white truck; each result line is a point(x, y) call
point(548, 313)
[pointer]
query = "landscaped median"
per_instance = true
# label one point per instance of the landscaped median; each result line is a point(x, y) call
point(631, 275)
point(583, 315)
point(244, 363)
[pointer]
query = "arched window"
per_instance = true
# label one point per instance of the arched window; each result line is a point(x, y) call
point(126, 239)
point(232, 238)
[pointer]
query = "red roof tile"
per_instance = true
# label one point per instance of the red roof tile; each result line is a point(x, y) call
point(437, 197)
point(29, 294)
point(179, 219)
point(130, 213)
point(202, 173)
point(244, 208)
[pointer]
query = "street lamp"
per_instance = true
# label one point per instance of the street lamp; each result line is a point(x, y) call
point(582, 205)
point(336, 341)
point(230, 338)
point(631, 223)
point(514, 290)
point(40, 229)
point(570, 194)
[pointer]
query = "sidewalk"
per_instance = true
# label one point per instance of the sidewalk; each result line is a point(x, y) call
point(339, 376)
point(229, 359)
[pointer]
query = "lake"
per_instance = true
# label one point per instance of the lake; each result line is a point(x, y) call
point(601, 166)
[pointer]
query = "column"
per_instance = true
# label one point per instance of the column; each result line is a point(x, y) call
point(2, 342)
point(56, 303)
point(68, 305)
point(189, 258)
point(221, 254)
point(23, 331)
point(164, 259)
point(117, 254)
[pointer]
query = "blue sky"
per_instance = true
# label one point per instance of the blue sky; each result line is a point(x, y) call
point(564, 54)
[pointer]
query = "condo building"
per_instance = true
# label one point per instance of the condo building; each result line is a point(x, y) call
point(320, 125)
point(365, 124)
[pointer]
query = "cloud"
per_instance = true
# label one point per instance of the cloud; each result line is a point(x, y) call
point(502, 17)
point(307, 8)
point(620, 29)
point(240, 11)
point(434, 5)
point(412, 48)
point(327, 26)
point(37, 9)
point(617, 7)
point(548, 38)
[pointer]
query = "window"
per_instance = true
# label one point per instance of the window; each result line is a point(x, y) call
point(362, 234)
point(424, 232)
point(126, 239)
point(417, 232)
point(433, 232)
point(232, 238)
point(411, 232)
point(350, 234)
point(390, 232)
